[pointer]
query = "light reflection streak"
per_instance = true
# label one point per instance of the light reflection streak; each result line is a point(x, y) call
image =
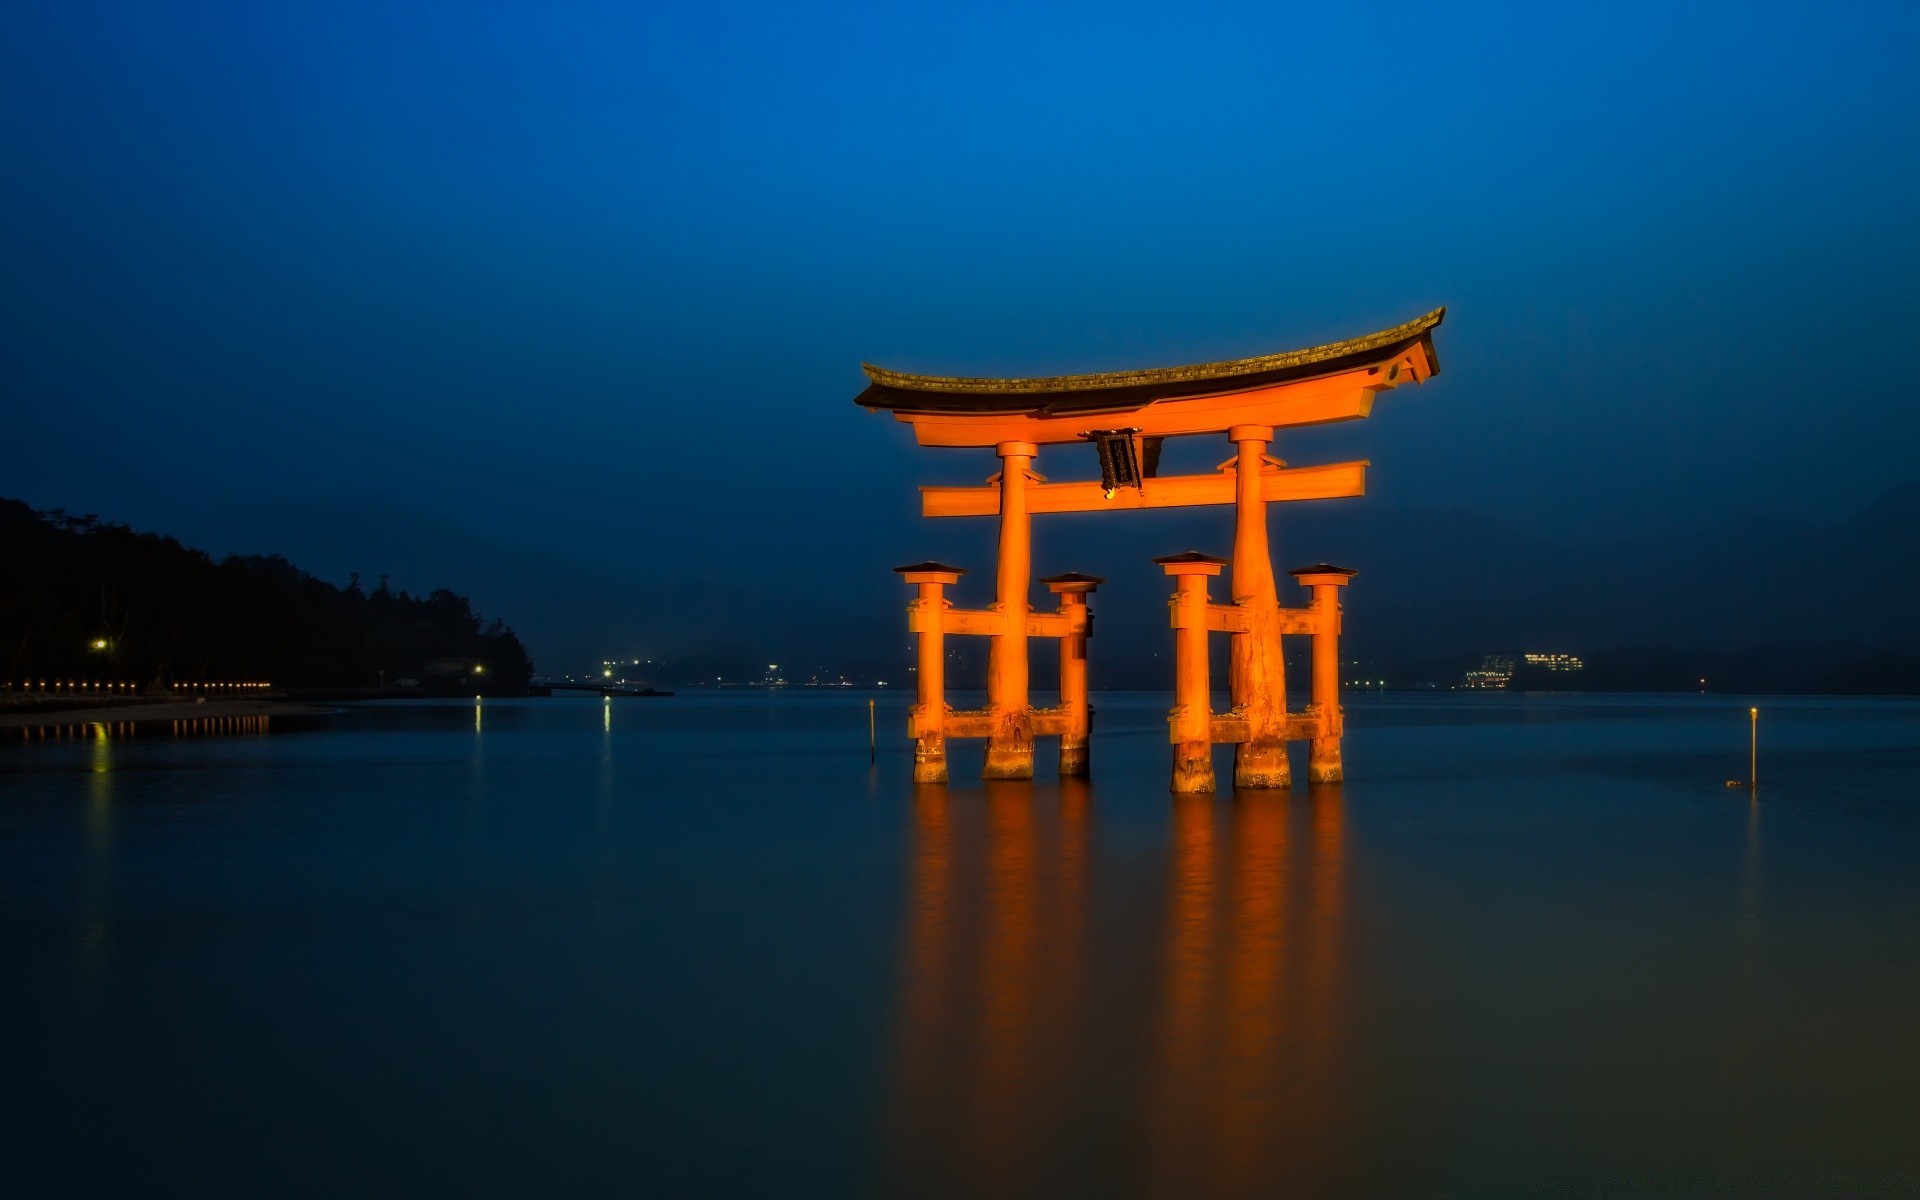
point(1249, 1086)
point(96, 873)
point(1227, 1073)
point(993, 988)
point(122, 730)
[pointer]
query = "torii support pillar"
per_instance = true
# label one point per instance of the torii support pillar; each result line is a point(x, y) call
point(1076, 720)
point(1010, 741)
point(1329, 723)
point(1190, 724)
point(1258, 671)
point(927, 618)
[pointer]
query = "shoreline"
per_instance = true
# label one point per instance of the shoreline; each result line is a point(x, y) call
point(121, 712)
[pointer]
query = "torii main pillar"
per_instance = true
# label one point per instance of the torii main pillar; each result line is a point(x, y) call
point(1258, 673)
point(1010, 743)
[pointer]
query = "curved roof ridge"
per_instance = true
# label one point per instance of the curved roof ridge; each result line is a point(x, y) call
point(1041, 385)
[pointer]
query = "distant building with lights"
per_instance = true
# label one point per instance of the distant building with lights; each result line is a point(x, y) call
point(1494, 673)
point(1546, 671)
point(1554, 662)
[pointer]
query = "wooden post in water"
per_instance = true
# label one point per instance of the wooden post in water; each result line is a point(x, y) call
point(1076, 722)
point(927, 618)
point(1329, 722)
point(1190, 724)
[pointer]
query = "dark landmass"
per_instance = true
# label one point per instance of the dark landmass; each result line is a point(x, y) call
point(85, 600)
point(1755, 604)
point(1794, 667)
point(1751, 606)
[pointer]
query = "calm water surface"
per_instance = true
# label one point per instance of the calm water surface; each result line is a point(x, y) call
point(698, 946)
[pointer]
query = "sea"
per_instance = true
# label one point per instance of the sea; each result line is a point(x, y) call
point(719, 944)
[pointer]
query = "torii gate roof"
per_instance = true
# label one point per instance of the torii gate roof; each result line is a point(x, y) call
point(1059, 396)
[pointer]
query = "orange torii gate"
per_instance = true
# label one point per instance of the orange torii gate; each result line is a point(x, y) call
point(1127, 415)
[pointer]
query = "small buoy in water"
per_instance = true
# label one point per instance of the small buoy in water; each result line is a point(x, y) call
point(1735, 783)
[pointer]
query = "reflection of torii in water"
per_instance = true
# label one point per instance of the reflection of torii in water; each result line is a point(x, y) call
point(1014, 1053)
point(1127, 414)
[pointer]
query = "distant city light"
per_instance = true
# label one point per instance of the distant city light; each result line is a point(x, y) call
point(1555, 662)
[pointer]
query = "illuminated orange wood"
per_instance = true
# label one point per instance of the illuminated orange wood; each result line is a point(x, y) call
point(1341, 396)
point(1076, 721)
point(1190, 724)
point(1127, 414)
point(1256, 669)
point(976, 622)
point(1227, 728)
point(980, 722)
point(1324, 763)
point(927, 723)
point(1329, 482)
point(1010, 745)
point(1228, 618)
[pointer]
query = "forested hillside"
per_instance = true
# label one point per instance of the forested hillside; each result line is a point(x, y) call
point(83, 599)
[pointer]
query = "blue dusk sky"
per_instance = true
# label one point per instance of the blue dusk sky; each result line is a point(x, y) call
point(600, 278)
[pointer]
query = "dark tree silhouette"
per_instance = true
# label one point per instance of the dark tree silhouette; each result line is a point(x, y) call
point(80, 599)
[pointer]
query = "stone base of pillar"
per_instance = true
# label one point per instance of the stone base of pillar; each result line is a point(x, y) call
point(1008, 762)
point(1010, 745)
point(1073, 759)
point(1010, 748)
point(1192, 768)
point(1323, 761)
point(1261, 765)
point(930, 760)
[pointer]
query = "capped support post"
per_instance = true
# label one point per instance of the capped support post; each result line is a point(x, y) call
point(926, 618)
point(1073, 588)
point(1190, 724)
point(1323, 759)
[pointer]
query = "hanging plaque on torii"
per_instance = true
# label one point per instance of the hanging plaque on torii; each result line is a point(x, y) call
point(1126, 415)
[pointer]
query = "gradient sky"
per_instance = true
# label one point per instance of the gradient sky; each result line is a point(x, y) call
point(574, 274)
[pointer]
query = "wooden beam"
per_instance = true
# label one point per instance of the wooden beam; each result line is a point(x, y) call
point(969, 723)
point(1298, 620)
point(1303, 727)
point(1328, 482)
point(978, 723)
point(1346, 396)
point(1048, 625)
point(1228, 728)
point(1225, 729)
point(1049, 722)
point(978, 622)
point(984, 622)
point(1228, 618)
